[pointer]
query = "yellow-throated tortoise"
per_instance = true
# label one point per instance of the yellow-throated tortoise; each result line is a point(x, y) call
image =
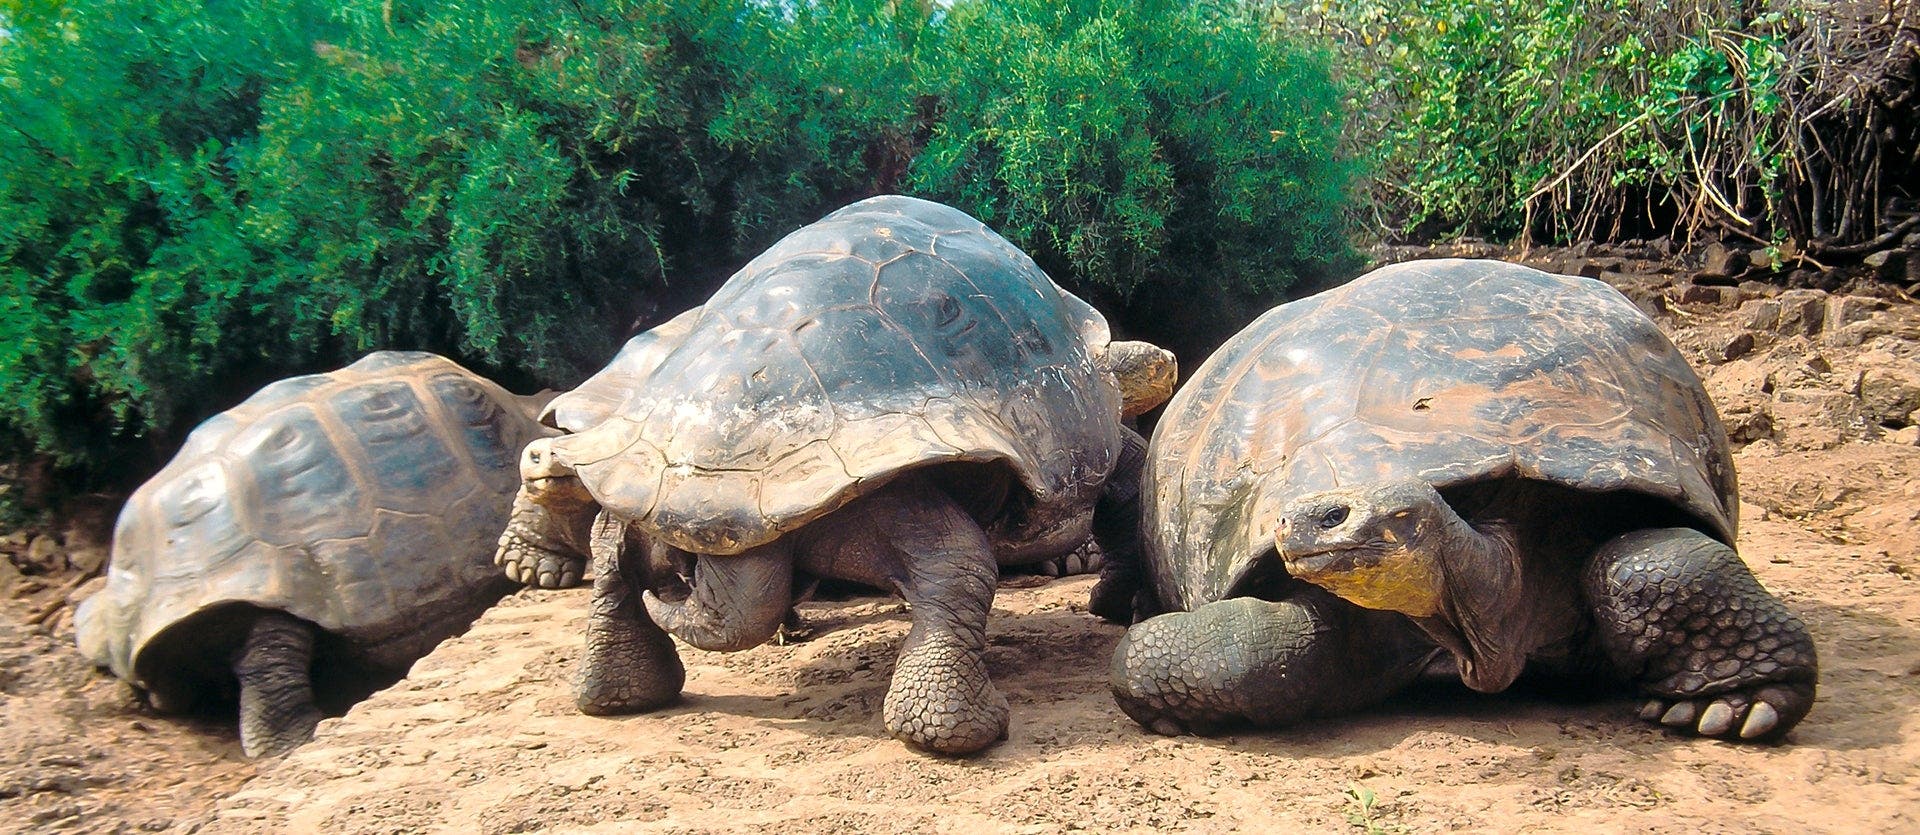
point(1462, 460)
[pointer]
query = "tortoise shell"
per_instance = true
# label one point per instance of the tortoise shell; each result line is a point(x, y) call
point(1450, 371)
point(892, 334)
point(365, 500)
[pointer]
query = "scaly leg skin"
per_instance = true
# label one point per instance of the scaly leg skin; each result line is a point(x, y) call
point(1122, 596)
point(1680, 615)
point(631, 665)
point(940, 699)
point(277, 711)
point(542, 548)
point(1251, 661)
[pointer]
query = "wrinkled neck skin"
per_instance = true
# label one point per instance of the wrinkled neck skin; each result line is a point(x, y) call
point(1498, 604)
point(727, 603)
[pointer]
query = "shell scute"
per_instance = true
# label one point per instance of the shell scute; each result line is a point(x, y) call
point(865, 364)
point(948, 321)
point(887, 442)
point(410, 466)
point(899, 330)
point(483, 426)
point(749, 399)
point(365, 500)
point(303, 489)
point(1447, 371)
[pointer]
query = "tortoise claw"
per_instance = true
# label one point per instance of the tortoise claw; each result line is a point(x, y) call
point(1762, 719)
point(528, 561)
point(1716, 719)
point(1680, 715)
point(1735, 716)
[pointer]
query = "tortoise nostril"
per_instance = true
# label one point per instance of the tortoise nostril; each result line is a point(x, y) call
point(1333, 517)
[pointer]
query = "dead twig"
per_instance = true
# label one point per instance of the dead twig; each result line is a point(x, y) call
point(1886, 240)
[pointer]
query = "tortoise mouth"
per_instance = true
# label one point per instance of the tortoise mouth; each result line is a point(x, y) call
point(1306, 559)
point(1322, 563)
point(566, 492)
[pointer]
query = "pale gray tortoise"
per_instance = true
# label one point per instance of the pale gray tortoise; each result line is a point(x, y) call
point(323, 534)
point(1457, 461)
point(894, 396)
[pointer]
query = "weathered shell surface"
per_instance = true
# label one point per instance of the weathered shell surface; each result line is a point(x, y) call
point(365, 500)
point(1450, 371)
point(892, 334)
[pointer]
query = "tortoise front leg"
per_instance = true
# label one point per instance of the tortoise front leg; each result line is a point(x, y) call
point(631, 665)
point(1270, 664)
point(275, 668)
point(1122, 596)
point(1683, 618)
point(541, 547)
point(940, 699)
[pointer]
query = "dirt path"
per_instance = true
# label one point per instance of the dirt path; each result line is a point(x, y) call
point(483, 737)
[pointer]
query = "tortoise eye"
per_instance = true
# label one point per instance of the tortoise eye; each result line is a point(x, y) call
point(1332, 518)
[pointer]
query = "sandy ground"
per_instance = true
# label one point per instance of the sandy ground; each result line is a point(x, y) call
point(483, 736)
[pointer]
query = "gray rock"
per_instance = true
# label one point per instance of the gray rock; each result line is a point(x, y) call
point(1888, 264)
point(1715, 296)
point(1739, 345)
point(43, 555)
point(1888, 389)
point(1719, 261)
point(87, 559)
point(1846, 310)
point(1802, 312)
point(1760, 315)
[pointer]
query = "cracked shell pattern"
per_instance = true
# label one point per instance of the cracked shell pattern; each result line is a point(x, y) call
point(364, 500)
point(892, 334)
point(1446, 370)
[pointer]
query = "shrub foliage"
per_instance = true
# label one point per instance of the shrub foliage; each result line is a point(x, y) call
point(1787, 122)
point(204, 196)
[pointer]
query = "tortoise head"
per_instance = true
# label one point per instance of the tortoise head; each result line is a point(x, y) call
point(550, 482)
point(1378, 546)
point(1146, 373)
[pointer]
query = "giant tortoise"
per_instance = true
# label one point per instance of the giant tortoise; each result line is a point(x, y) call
point(1464, 462)
point(326, 532)
point(894, 395)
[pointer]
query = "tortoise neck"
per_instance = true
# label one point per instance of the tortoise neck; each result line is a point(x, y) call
point(1500, 602)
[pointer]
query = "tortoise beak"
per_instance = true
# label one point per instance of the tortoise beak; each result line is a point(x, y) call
point(1145, 372)
point(547, 480)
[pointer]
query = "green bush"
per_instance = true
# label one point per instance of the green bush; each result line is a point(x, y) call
point(204, 197)
point(123, 282)
point(1184, 195)
point(1568, 118)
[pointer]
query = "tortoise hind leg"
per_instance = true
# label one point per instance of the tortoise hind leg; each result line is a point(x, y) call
point(1250, 661)
point(274, 666)
point(1683, 618)
point(940, 698)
